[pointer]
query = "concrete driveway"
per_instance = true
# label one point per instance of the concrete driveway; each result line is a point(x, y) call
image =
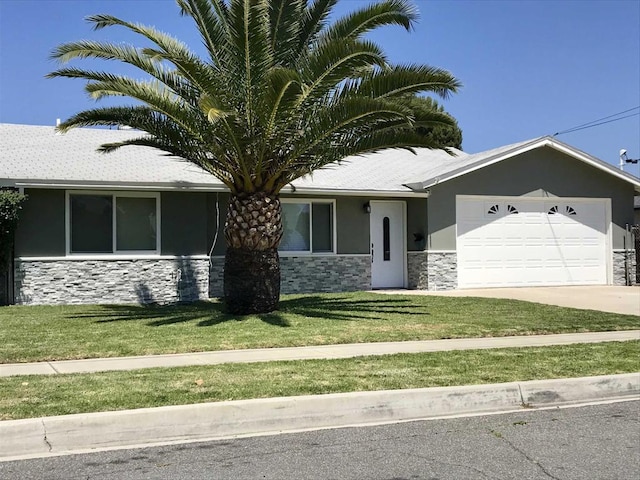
point(603, 298)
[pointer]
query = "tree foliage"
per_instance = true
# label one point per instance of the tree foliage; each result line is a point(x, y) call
point(441, 135)
point(10, 206)
point(281, 92)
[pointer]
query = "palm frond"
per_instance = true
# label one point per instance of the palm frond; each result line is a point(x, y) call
point(169, 49)
point(407, 79)
point(210, 17)
point(333, 62)
point(285, 18)
point(313, 22)
point(376, 15)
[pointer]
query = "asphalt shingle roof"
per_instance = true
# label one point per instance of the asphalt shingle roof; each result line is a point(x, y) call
point(36, 155)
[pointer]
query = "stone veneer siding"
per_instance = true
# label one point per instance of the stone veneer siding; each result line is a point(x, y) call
point(67, 281)
point(619, 269)
point(417, 270)
point(442, 270)
point(310, 274)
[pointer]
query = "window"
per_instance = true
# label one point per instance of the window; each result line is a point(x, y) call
point(386, 240)
point(308, 226)
point(113, 223)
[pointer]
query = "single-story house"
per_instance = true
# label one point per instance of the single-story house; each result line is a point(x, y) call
point(140, 225)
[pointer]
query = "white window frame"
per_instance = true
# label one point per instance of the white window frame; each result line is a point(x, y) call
point(115, 195)
point(310, 202)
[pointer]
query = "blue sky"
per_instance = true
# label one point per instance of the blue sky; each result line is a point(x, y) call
point(529, 68)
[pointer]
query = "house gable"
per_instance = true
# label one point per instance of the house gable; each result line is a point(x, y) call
point(542, 172)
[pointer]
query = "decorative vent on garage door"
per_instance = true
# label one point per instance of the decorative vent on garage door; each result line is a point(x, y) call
point(570, 210)
point(511, 209)
point(553, 210)
point(494, 209)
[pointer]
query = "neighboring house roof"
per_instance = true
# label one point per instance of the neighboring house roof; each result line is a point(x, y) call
point(37, 156)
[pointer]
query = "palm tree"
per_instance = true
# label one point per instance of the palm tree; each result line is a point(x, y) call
point(282, 92)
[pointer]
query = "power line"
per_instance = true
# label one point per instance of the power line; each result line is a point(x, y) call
point(594, 124)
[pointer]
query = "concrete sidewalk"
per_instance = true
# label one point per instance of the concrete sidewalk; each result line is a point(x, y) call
point(306, 353)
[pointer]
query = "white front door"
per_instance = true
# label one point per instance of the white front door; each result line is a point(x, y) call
point(388, 257)
point(523, 241)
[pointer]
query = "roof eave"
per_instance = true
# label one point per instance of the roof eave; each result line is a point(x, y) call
point(160, 186)
point(293, 190)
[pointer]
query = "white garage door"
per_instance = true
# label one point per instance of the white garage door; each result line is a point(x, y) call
point(520, 241)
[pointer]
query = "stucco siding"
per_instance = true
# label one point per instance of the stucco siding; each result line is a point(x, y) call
point(183, 223)
point(41, 227)
point(352, 225)
point(217, 206)
point(416, 224)
point(541, 173)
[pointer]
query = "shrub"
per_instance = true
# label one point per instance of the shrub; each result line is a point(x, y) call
point(10, 205)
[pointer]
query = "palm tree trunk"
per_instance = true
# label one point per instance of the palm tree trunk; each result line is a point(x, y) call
point(252, 266)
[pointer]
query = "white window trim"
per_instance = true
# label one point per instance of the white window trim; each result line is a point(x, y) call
point(334, 240)
point(114, 252)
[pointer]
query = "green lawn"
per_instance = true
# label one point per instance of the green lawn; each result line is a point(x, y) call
point(38, 333)
point(33, 396)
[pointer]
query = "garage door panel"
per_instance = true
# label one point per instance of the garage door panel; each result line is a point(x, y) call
point(515, 242)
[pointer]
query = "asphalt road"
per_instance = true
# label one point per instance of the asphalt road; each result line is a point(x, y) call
point(589, 442)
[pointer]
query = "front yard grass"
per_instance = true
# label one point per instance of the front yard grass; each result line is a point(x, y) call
point(42, 333)
point(35, 396)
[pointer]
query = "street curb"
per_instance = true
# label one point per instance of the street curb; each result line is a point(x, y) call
point(40, 437)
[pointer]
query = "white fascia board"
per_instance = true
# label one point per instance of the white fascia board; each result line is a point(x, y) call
point(123, 186)
point(354, 193)
point(215, 188)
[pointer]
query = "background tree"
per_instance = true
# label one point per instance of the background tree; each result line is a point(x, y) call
point(438, 134)
point(280, 93)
